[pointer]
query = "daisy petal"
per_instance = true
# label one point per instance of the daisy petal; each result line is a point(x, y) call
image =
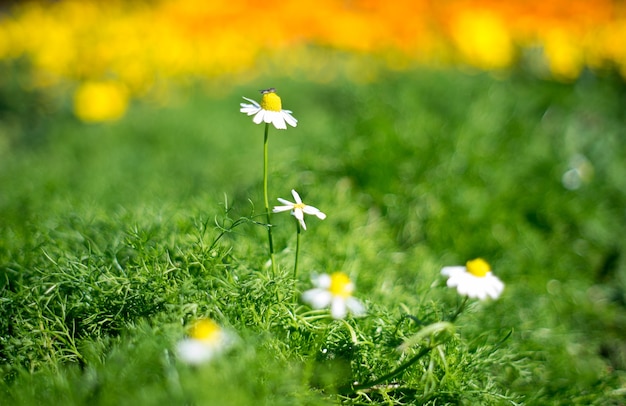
point(298, 213)
point(355, 306)
point(259, 117)
point(338, 308)
point(278, 209)
point(279, 122)
point(254, 103)
point(452, 270)
point(314, 211)
point(296, 196)
point(302, 224)
point(289, 118)
point(193, 351)
point(285, 202)
point(269, 116)
point(317, 298)
point(321, 281)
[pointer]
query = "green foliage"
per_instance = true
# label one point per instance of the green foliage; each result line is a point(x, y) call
point(115, 238)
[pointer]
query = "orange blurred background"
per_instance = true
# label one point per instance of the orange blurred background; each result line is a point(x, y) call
point(114, 51)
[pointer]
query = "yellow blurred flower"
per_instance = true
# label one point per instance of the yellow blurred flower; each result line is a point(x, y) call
point(483, 39)
point(146, 43)
point(564, 54)
point(100, 101)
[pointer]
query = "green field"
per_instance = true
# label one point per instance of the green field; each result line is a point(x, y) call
point(114, 238)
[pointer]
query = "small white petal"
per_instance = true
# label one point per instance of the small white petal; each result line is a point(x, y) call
point(338, 308)
point(254, 103)
point(355, 306)
point(278, 209)
point(298, 213)
point(269, 116)
point(289, 118)
point(321, 281)
point(317, 298)
point(451, 270)
point(286, 202)
point(296, 196)
point(314, 211)
point(491, 291)
point(452, 282)
point(249, 109)
point(194, 351)
point(279, 122)
point(260, 116)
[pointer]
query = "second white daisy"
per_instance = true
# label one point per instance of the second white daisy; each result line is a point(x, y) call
point(474, 280)
point(334, 291)
point(206, 340)
point(298, 209)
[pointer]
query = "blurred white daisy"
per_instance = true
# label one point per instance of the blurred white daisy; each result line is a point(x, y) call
point(334, 291)
point(474, 280)
point(298, 209)
point(580, 172)
point(269, 111)
point(206, 340)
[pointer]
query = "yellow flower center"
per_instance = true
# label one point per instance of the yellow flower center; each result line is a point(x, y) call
point(271, 102)
point(340, 285)
point(478, 267)
point(300, 206)
point(205, 330)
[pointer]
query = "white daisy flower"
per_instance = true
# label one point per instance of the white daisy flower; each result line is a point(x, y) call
point(206, 340)
point(334, 291)
point(474, 280)
point(269, 111)
point(298, 209)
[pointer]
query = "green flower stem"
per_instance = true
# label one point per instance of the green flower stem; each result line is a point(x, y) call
point(295, 266)
point(458, 310)
point(347, 390)
point(267, 203)
point(367, 385)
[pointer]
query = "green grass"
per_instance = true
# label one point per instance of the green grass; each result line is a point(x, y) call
point(114, 238)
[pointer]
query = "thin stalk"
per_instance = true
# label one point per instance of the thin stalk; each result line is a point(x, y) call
point(367, 385)
point(267, 203)
point(459, 310)
point(295, 266)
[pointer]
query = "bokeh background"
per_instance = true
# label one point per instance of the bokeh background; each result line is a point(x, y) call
point(430, 132)
point(107, 53)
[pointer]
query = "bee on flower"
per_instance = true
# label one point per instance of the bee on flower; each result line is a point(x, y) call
point(270, 110)
point(206, 340)
point(334, 291)
point(474, 280)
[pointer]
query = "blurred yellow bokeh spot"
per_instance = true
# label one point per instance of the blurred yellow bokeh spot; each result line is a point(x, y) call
point(483, 39)
point(564, 54)
point(100, 101)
